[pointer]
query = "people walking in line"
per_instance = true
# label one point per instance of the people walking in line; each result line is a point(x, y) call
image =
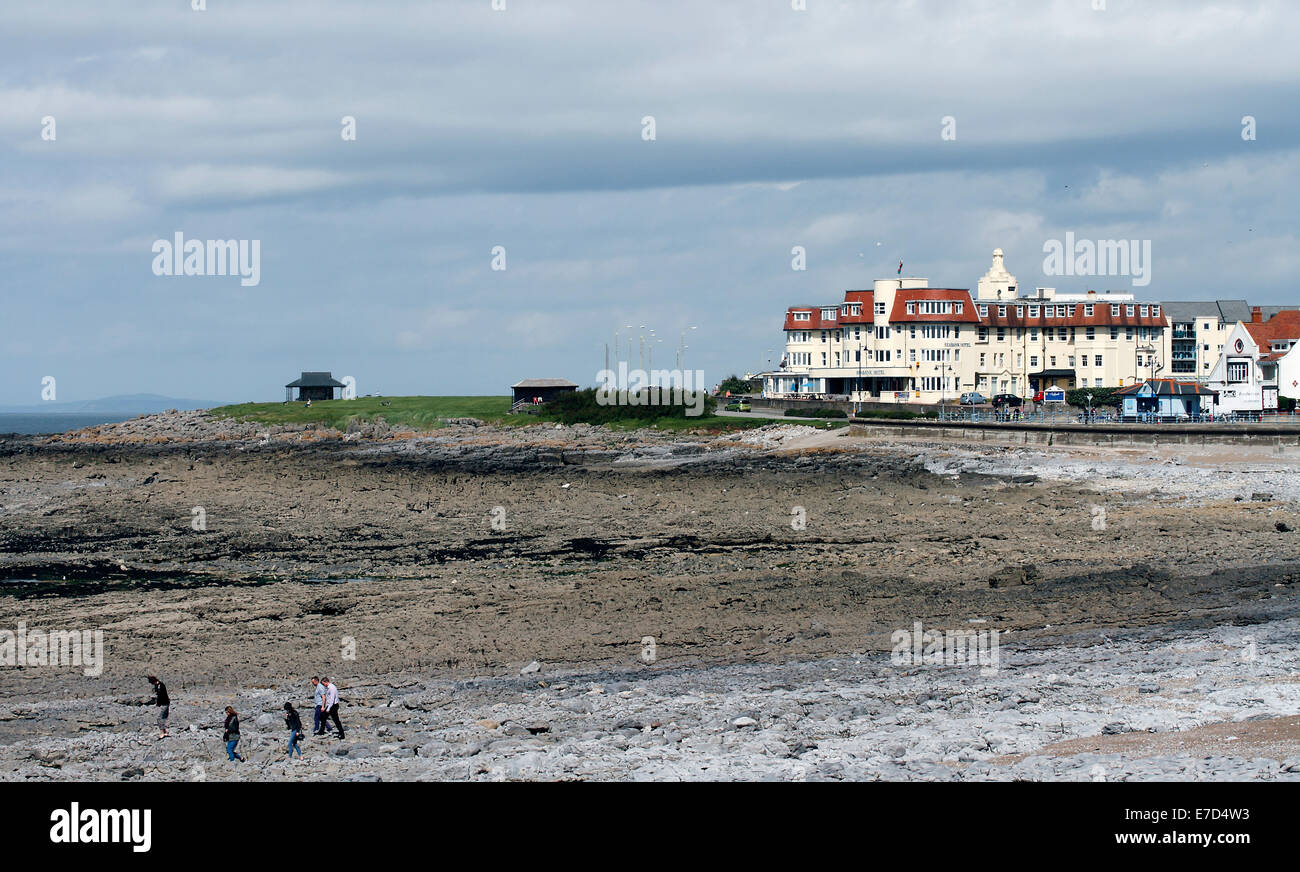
point(163, 702)
point(320, 723)
point(332, 704)
point(294, 723)
point(231, 734)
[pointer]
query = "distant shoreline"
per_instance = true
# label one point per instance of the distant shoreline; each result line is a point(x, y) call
point(51, 423)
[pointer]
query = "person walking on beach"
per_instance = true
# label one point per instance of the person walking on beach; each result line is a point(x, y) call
point(320, 723)
point(332, 704)
point(163, 702)
point(295, 728)
point(231, 735)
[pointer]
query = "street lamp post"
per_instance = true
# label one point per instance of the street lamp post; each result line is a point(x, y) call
point(683, 358)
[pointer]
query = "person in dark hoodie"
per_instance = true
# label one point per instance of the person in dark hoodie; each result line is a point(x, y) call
point(294, 723)
point(231, 735)
point(163, 702)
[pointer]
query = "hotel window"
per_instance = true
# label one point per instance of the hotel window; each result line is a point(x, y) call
point(880, 308)
point(1033, 311)
point(1060, 311)
point(828, 314)
point(1033, 334)
point(1238, 371)
point(802, 316)
point(1020, 361)
point(1114, 310)
point(1053, 361)
point(1002, 334)
point(1142, 310)
point(911, 332)
point(957, 308)
point(981, 358)
point(1128, 310)
point(1084, 360)
point(1071, 310)
point(1128, 333)
point(1071, 363)
point(857, 333)
point(1020, 332)
point(1002, 311)
point(1090, 333)
point(982, 334)
point(1155, 310)
point(911, 355)
point(984, 310)
point(823, 358)
point(1097, 360)
point(1020, 311)
point(911, 308)
point(1087, 310)
point(1033, 360)
point(1114, 333)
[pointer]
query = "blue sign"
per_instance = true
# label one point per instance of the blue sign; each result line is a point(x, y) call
point(1054, 395)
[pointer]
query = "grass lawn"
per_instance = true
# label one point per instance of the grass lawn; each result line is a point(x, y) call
point(416, 413)
point(425, 413)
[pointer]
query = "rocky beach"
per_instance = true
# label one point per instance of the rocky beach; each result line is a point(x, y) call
point(576, 603)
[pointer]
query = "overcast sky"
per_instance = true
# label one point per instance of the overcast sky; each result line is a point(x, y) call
point(523, 128)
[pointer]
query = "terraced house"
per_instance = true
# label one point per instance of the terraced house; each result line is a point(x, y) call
point(907, 342)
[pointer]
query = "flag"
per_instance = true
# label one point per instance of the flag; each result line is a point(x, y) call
point(900, 267)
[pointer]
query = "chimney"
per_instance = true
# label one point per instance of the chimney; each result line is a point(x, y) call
point(1256, 315)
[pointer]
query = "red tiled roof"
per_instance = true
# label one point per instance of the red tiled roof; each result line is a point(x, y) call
point(814, 321)
point(1101, 315)
point(912, 295)
point(1165, 387)
point(1283, 325)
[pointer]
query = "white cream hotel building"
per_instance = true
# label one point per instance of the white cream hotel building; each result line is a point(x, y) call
point(907, 342)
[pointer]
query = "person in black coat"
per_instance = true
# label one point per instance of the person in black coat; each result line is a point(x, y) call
point(163, 702)
point(231, 734)
point(294, 722)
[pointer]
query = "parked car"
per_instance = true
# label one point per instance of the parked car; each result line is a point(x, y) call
point(1007, 401)
point(737, 404)
point(1038, 398)
point(974, 398)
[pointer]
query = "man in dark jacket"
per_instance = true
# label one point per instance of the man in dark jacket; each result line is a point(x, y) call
point(163, 702)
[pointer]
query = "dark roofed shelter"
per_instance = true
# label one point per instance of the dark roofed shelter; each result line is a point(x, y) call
point(313, 386)
point(545, 389)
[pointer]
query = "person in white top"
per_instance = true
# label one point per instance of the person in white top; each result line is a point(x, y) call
point(332, 704)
